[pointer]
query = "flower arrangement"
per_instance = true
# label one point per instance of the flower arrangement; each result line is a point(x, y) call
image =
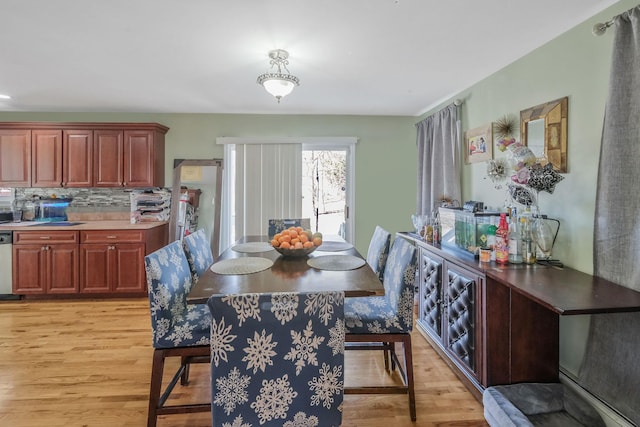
point(530, 175)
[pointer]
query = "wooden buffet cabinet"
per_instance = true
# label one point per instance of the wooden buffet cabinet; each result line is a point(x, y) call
point(104, 258)
point(500, 324)
point(41, 154)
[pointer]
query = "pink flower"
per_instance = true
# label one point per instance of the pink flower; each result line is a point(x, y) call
point(521, 176)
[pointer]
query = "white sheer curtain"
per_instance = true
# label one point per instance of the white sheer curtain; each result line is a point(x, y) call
point(438, 159)
point(268, 184)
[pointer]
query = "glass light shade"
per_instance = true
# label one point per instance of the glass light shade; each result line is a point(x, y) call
point(278, 87)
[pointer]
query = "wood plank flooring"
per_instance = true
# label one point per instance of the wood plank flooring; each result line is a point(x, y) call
point(87, 363)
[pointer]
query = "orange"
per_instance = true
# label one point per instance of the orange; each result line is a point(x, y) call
point(275, 243)
point(298, 245)
point(294, 241)
point(307, 244)
point(303, 237)
point(285, 245)
point(317, 241)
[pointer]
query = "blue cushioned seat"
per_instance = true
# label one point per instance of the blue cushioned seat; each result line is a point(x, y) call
point(277, 359)
point(198, 250)
point(179, 330)
point(379, 250)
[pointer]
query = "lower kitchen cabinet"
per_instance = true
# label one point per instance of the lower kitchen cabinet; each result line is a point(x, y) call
point(112, 261)
point(45, 263)
point(84, 262)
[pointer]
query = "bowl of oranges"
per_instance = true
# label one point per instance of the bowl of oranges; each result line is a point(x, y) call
point(296, 242)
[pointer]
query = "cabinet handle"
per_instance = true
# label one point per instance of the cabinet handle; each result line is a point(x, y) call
point(111, 248)
point(45, 248)
point(45, 237)
point(112, 237)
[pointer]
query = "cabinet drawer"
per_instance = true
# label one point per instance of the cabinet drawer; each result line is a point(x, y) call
point(31, 237)
point(112, 236)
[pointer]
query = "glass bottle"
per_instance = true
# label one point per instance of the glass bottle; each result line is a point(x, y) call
point(515, 255)
point(527, 242)
point(502, 240)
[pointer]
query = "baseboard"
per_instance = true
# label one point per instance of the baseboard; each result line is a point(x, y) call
point(611, 417)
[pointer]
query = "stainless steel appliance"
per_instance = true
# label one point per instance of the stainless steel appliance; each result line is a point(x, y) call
point(5, 265)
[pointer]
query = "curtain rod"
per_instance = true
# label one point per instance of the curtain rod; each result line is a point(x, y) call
point(601, 27)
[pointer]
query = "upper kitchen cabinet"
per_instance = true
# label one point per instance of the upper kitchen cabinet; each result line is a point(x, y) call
point(39, 154)
point(15, 157)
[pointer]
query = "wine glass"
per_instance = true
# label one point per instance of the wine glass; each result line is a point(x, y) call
point(544, 237)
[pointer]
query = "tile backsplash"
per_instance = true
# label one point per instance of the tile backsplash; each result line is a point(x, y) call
point(114, 199)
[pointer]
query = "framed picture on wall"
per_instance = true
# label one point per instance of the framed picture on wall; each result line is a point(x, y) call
point(478, 144)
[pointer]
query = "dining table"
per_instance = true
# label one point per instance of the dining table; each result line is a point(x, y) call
point(264, 270)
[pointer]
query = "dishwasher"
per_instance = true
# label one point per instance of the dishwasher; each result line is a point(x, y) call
point(6, 266)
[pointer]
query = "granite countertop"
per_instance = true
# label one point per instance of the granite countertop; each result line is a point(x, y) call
point(79, 225)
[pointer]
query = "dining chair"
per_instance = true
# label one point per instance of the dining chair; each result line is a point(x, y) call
point(277, 359)
point(379, 322)
point(378, 250)
point(198, 251)
point(179, 330)
point(278, 225)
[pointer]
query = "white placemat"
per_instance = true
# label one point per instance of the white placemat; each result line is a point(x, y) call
point(334, 246)
point(252, 247)
point(336, 262)
point(245, 265)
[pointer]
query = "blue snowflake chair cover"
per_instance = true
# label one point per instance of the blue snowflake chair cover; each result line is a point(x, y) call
point(393, 312)
point(198, 251)
point(379, 250)
point(277, 225)
point(277, 359)
point(179, 330)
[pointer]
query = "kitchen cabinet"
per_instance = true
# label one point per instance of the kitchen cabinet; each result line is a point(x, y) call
point(84, 260)
point(45, 263)
point(448, 310)
point(15, 157)
point(112, 261)
point(39, 154)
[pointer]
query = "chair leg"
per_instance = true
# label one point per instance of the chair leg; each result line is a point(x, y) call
point(184, 378)
point(408, 360)
point(157, 369)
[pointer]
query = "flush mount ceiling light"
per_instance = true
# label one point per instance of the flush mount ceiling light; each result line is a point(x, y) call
point(279, 84)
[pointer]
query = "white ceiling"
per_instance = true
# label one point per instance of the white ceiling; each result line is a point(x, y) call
point(360, 57)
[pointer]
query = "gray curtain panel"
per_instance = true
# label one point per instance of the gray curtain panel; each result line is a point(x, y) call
point(611, 368)
point(438, 159)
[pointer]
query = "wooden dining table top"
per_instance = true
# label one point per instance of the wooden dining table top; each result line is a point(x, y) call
point(288, 274)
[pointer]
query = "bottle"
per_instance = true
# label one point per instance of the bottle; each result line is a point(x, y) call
point(491, 238)
point(515, 254)
point(437, 230)
point(502, 240)
point(527, 241)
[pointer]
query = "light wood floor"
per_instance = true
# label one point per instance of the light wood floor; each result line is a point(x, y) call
point(88, 363)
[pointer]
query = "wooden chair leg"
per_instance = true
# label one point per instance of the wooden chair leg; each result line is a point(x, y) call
point(184, 378)
point(157, 369)
point(408, 360)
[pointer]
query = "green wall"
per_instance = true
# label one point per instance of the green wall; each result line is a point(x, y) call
point(385, 152)
point(575, 64)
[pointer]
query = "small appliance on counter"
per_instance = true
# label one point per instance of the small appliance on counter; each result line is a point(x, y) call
point(53, 209)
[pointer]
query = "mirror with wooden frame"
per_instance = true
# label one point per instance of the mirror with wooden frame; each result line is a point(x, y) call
point(543, 129)
point(204, 179)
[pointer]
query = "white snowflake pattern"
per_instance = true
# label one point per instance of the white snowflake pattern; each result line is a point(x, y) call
point(336, 337)
point(405, 307)
point(284, 306)
point(237, 422)
point(220, 341)
point(246, 306)
point(323, 304)
point(260, 351)
point(274, 399)
point(300, 420)
point(232, 391)
point(326, 386)
point(305, 348)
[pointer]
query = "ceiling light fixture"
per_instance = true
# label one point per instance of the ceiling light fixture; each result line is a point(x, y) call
point(279, 84)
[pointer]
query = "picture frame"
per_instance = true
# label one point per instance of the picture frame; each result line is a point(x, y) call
point(478, 144)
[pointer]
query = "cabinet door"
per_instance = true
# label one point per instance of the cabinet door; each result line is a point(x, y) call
point(29, 265)
point(108, 166)
point(95, 268)
point(63, 264)
point(15, 158)
point(77, 158)
point(138, 158)
point(462, 330)
point(430, 293)
point(46, 158)
point(129, 272)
